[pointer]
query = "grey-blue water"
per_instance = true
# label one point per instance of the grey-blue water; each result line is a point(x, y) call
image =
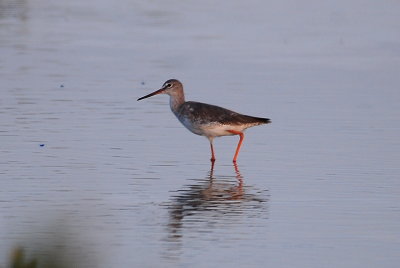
point(105, 181)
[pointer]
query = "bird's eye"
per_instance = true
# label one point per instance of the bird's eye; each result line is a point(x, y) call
point(168, 85)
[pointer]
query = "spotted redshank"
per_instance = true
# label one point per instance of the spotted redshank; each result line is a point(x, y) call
point(204, 119)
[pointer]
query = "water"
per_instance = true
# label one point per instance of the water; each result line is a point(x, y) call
point(105, 181)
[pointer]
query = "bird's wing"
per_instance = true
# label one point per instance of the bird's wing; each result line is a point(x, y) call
point(204, 113)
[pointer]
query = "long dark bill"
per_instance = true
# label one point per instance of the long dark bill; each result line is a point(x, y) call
point(152, 94)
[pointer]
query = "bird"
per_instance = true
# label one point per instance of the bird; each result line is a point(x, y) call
point(205, 119)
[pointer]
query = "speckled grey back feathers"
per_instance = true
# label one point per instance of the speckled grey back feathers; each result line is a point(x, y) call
point(203, 113)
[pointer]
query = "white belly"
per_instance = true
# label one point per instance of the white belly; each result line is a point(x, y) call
point(211, 130)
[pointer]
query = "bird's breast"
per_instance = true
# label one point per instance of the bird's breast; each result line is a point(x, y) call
point(191, 125)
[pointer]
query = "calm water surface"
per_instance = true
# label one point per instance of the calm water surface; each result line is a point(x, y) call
point(101, 180)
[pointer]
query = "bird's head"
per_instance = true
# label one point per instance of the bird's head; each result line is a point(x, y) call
point(170, 87)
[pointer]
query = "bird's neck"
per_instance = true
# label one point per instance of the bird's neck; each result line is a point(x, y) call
point(175, 101)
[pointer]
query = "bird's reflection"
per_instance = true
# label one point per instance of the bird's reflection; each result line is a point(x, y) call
point(211, 202)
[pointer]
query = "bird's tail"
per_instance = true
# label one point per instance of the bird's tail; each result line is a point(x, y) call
point(262, 120)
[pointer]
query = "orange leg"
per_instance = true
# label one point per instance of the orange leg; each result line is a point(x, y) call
point(239, 144)
point(212, 151)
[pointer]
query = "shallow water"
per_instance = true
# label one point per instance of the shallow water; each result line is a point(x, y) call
point(110, 182)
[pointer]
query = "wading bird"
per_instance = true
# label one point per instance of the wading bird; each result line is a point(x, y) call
point(204, 119)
